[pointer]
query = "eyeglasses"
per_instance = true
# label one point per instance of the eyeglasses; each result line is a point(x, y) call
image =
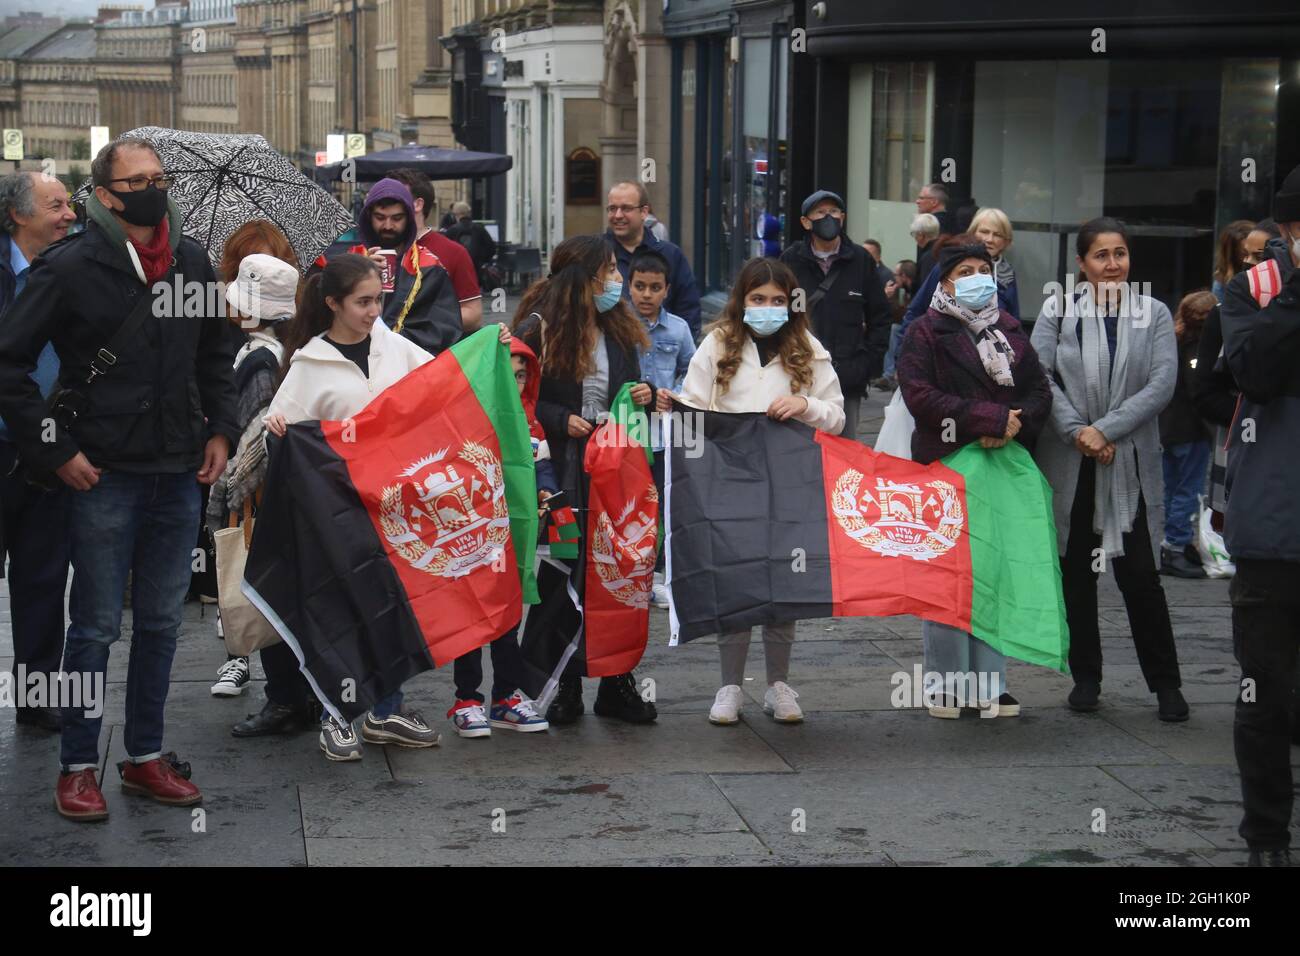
point(625, 210)
point(137, 183)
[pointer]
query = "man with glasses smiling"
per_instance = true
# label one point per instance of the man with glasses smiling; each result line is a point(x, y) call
point(142, 412)
point(629, 205)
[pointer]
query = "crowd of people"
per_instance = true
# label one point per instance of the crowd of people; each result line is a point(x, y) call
point(124, 431)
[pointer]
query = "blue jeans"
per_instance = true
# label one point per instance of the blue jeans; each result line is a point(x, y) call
point(143, 524)
point(1185, 467)
point(891, 356)
point(388, 706)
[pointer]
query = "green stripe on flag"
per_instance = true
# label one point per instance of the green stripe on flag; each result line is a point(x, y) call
point(1017, 606)
point(633, 417)
point(485, 363)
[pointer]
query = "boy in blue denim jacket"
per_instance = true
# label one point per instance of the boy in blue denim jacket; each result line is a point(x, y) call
point(665, 362)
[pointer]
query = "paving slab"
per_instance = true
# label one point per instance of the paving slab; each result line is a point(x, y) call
point(984, 811)
point(578, 818)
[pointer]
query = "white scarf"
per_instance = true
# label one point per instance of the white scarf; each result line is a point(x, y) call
point(994, 349)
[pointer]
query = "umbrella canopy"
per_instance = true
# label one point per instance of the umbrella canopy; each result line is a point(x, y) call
point(433, 161)
point(224, 181)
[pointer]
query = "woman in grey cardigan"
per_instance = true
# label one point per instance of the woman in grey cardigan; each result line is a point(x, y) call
point(1113, 361)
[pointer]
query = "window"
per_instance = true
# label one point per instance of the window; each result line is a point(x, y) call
point(898, 130)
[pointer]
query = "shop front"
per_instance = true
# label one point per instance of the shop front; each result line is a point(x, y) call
point(1176, 121)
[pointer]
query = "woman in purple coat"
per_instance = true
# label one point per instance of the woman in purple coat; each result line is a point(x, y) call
point(968, 373)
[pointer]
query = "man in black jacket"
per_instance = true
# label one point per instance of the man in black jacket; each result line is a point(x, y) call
point(149, 375)
point(850, 315)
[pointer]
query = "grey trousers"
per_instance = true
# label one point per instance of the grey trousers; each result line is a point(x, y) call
point(733, 648)
point(852, 406)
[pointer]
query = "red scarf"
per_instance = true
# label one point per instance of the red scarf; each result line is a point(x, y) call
point(156, 257)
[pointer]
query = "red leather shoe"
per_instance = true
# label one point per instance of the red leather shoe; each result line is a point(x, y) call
point(156, 778)
point(77, 797)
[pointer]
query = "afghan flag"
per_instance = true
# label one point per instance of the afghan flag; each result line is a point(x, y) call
point(603, 598)
point(398, 540)
point(772, 521)
point(622, 540)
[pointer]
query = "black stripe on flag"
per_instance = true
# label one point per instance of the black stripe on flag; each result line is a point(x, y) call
point(317, 562)
point(747, 524)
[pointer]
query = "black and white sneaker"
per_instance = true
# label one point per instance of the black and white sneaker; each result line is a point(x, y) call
point(232, 678)
point(339, 741)
point(406, 729)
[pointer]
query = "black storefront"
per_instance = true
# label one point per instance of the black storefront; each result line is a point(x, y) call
point(1177, 117)
point(477, 117)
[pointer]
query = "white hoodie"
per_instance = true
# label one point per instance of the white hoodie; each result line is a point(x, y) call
point(324, 385)
point(755, 386)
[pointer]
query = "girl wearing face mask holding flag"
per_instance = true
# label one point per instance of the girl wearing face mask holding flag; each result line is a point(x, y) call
point(582, 329)
point(968, 373)
point(761, 357)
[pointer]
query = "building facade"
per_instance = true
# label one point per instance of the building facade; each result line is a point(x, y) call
point(1176, 120)
point(60, 98)
point(209, 86)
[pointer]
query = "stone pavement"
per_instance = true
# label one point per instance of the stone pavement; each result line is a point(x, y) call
point(870, 784)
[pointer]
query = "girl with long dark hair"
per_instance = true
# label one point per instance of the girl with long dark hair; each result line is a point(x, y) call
point(581, 328)
point(337, 358)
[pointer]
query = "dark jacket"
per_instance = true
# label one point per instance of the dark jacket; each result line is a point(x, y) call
point(8, 281)
point(1213, 389)
point(147, 414)
point(683, 295)
point(476, 240)
point(943, 379)
point(433, 321)
point(1180, 422)
point(1262, 346)
point(852, 320)
point(557, 399)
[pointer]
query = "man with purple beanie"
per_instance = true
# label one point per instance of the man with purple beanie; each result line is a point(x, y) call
point(423, 305)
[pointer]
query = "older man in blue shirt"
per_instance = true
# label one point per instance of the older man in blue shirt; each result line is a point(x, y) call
point(35, 213)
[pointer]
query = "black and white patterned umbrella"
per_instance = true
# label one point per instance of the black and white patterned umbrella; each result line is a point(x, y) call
point(226, 180)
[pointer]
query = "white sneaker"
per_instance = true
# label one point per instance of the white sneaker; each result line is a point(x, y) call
point(659, 596)
point(232, 678)
point(726, 706)
point(779, 701)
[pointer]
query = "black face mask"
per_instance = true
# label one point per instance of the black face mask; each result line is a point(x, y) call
point(827, 228)
point(144, 208)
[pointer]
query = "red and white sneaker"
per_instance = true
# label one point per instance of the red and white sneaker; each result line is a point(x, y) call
point(469, 719)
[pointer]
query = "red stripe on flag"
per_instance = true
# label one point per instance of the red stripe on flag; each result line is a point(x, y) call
point(621, 545)
point(898, 531)
point(426, 463)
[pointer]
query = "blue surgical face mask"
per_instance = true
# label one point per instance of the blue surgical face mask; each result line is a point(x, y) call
point(766, 319)
point(609, 298)
point(975, 291)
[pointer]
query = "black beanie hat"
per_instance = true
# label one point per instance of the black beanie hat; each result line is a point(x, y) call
point(952, 254)
point(1286, 204)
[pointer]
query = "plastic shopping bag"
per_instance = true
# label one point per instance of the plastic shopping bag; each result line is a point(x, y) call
point(895, 436)
point(1210, 546)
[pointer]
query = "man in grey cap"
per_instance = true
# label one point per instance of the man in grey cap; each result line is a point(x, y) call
point(844, 298)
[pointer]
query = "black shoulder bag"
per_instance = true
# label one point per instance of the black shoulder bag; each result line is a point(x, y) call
point(65, 405)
